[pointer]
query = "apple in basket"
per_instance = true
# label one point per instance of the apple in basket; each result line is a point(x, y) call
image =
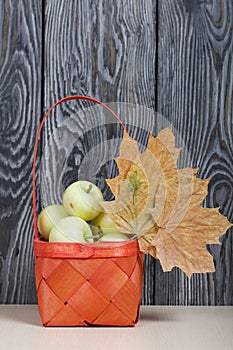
point(71, 229)
point(48, 217)
point(67, 222)
point(82, 199)
point(103, 226)
point(114, 237)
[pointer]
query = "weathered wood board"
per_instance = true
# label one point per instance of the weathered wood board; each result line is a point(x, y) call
point(195, 72)
point(20, 110)
point(170, 56)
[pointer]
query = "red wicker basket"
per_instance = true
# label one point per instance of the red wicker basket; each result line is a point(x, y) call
point(88, 284)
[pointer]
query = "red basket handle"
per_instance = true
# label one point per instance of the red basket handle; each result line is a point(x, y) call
point(68, 98)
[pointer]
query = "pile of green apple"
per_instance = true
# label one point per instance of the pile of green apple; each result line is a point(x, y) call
point(80, 217)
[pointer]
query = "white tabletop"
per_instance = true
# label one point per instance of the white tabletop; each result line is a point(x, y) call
point(168, 327)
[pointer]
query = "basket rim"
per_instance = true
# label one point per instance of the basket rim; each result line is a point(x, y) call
point(46, 249)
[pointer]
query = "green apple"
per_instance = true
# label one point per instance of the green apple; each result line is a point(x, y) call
point(71, 229)
point(114, 237)
point(48, 217)
point(103, 224)
point(82, 199)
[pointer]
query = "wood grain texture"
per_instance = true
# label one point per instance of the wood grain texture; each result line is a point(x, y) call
point(20, 104)
point(195, 78)
point(106, 50)
point(100, 48)
point(173, 56)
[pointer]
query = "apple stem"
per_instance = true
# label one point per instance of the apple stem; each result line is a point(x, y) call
point(88, 189)
point(94, 237)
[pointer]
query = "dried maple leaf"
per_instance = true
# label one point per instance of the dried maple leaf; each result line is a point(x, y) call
point(182, 237)
point(161, 205)
point(128, 211)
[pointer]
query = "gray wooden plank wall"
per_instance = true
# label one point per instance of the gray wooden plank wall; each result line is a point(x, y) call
point(172, 56)
point(20, 110)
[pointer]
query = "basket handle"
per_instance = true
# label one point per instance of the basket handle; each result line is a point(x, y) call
point(68, 98)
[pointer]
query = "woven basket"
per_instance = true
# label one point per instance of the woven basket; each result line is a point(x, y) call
point(88, 284)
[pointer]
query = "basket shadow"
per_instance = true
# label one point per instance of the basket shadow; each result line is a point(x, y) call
point(21, 314)
point(155, 314)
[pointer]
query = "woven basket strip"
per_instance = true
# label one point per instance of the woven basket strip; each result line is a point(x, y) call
point(48, 265)
point(128, 305)
point(66, 316)
point(87, 267)
point(108, 279)
point(138, 270)
point(48, 303)
point(64, 280)
point(113, 317)
point(108, 294)
point(38, 274)
point(88, 302)
point(127, 264)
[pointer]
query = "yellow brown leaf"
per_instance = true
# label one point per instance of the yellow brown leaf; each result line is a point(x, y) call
point(161, 205)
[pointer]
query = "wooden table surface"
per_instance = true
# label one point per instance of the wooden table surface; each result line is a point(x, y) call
point(160, 327)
